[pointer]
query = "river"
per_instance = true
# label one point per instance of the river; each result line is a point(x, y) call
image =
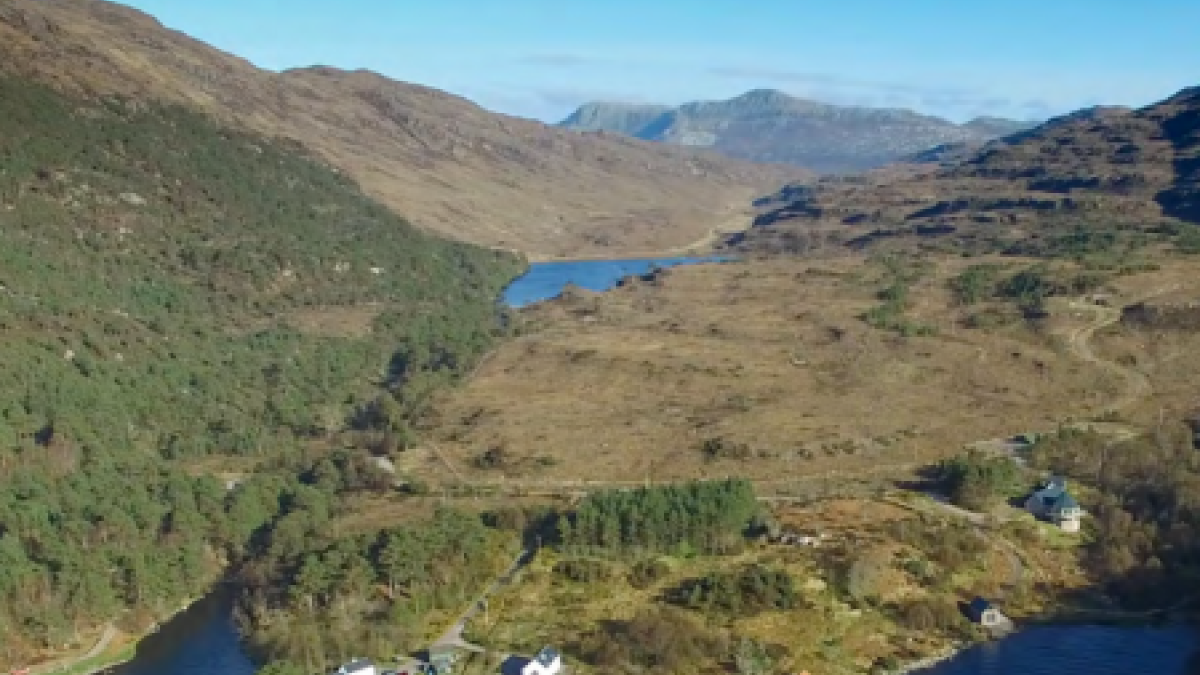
point(546, 280)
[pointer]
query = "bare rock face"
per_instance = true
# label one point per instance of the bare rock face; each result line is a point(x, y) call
point(1140, 168)
point(770, 126)
point(443, 162)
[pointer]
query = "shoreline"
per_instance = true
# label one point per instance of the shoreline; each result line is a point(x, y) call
point(637, 257)
point(1081, 619)
point(101, 663)
point(930, 661)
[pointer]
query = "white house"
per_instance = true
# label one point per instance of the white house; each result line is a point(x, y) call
point(358, 667)
point(985, 614)
point(547, 662)
point(1055, 504)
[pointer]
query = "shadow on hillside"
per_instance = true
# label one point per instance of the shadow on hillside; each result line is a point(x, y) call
point(928, 479)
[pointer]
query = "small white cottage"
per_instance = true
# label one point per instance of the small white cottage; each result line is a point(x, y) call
point(547, 662)
point(985, 614)
point(358, 667)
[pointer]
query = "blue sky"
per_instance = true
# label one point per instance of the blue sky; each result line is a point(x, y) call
point(540, 58)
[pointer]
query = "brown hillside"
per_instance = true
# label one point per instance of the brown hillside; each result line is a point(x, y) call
point(438, 159)
point(1112, 165)
point(765, 369)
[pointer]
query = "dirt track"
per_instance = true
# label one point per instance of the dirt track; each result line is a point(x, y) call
point(1079, 341)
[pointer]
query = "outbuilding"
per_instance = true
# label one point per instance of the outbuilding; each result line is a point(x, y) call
point(984, 613)
point(358, 666)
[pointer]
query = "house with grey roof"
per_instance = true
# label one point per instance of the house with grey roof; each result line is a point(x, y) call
point(1054, 503)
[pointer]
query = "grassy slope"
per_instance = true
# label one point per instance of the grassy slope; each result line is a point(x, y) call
point(771, 356)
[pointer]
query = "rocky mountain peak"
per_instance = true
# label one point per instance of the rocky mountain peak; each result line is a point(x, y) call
point(769, 125)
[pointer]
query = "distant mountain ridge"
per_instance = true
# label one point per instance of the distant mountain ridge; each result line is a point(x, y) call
point(766, 125)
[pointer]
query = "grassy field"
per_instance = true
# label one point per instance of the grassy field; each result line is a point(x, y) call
point(766, 369)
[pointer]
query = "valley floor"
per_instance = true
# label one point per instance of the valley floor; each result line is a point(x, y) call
point(765, 370)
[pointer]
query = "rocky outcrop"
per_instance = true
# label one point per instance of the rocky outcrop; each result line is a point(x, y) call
point(623, 118)
point(996, 127)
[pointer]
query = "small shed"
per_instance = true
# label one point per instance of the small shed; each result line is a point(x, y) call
point(442, 659)
point(984, 613)
point(358, 666)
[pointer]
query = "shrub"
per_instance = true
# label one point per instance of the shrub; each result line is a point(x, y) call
point(644, 573)
point(583, 571)
point(663, 638)
point(975, 480)
point(753, 589)
point(929, 614)
point(865, 575)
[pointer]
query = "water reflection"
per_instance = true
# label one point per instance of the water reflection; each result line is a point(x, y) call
point(546, 280)
point(201, 641)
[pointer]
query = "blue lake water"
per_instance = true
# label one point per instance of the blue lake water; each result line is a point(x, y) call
point(203, 640)
point(546, 280)
point(1078, 650)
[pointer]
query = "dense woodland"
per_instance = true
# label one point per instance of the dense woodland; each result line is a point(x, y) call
point(153, 267)
point(314, 598)
point(708, 517)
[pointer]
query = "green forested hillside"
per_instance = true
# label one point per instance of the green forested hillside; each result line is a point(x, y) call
point(152, 268)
